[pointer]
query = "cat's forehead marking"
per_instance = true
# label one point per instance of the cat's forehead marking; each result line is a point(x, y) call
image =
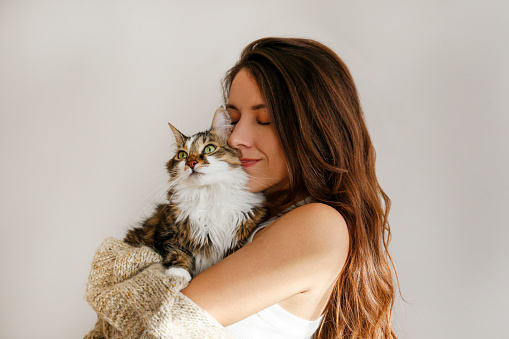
point(189, 142)
point(198, 142)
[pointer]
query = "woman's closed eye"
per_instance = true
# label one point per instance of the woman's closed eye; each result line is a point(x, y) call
point(258, 122)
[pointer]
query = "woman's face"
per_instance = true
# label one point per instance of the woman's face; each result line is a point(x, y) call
point(254, 136)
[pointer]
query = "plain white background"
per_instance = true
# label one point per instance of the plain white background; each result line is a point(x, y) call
point(87, 89)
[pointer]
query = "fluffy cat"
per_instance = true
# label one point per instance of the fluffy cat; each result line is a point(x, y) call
point(210, 213)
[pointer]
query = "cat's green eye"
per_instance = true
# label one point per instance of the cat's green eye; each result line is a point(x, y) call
point(181, 155)
point(209, 149)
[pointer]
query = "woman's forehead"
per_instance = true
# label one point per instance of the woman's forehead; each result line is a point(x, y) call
point(244, 92)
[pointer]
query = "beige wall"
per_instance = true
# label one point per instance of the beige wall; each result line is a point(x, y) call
point(87, 89)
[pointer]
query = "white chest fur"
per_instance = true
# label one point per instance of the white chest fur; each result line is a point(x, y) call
point(215, 212)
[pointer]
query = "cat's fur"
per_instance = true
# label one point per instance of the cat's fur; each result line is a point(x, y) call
point(209, 213)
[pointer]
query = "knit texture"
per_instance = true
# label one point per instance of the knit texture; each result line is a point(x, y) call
point(134, 298)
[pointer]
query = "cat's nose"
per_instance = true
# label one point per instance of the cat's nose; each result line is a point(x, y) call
point(191, 163)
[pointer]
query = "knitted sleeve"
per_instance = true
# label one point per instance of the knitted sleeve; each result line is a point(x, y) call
point(134, 298)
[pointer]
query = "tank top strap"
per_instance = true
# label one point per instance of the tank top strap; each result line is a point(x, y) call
point(266, 223)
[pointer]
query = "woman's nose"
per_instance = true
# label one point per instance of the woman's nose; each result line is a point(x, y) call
point(240, 136)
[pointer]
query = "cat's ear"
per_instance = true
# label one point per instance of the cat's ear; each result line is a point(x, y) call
point(179, 137)
point(222, 122)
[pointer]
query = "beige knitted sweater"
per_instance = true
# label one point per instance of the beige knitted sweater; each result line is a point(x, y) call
point(134, 298)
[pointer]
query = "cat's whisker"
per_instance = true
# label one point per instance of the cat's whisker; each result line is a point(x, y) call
point(264, 178)
point(152, 204)
point(161, 194)
point(257, 170)
point(176, 182)
point(264, 185)
point(254, 178)
point(155, 191)
point(159, 174)
point(158, 193)
point(173, 183)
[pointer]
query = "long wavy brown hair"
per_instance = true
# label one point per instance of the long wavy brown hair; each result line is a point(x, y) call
point(317, 113)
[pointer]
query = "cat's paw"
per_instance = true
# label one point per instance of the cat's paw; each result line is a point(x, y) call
point(179, 272)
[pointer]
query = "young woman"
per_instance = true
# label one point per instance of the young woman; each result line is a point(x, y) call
point(300, 131)
point(319, 267)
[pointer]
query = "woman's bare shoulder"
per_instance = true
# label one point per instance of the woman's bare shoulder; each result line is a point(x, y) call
point(318, 225)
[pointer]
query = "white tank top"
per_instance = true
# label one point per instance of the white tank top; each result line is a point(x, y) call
point(275, 322)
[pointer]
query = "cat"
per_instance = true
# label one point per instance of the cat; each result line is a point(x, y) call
point(209, 213)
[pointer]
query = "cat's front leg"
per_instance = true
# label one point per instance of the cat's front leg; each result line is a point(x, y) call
point(178, 263)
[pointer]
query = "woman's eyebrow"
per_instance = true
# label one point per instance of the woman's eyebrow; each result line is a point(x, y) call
point(254, 108)
point(257, 107)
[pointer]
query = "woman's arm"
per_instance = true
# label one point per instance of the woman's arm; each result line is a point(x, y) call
point(301, 252)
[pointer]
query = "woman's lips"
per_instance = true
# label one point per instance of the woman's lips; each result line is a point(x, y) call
point(248, 162)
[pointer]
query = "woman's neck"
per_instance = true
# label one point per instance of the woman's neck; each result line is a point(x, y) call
point(276, 209)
